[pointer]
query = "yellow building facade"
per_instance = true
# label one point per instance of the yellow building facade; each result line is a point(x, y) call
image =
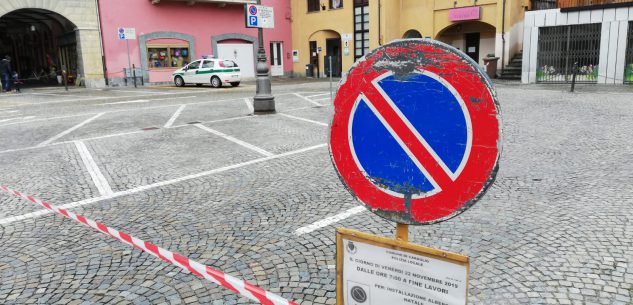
point(344, 30)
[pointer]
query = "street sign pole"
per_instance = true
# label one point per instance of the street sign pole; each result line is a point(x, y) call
point(129, 61)
point(264, 101)
point(331, 92)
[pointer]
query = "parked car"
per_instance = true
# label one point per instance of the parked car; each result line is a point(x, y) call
point(209, 71)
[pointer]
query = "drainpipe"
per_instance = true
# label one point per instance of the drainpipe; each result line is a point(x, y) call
point(103, 59)
point(503, 37)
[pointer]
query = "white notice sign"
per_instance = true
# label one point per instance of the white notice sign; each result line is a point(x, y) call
point(259, 16)
point(127, 33)
point(377, 275)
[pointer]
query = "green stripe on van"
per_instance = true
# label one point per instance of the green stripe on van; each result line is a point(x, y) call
point(217, 71)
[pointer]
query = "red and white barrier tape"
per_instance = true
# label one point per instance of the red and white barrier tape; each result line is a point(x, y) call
point(236, 285)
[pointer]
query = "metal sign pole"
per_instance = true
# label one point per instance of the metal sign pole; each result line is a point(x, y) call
point(331, 93)
point(264, 101)
point(129, 61)
point(134, 75)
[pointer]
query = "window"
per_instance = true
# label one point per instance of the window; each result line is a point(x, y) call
point(412, 34)
point(228, 64)
point(162, 56)
point(361, 28)
point(334, 4)
point(207, 64)
point(314, 5)
point(194, 65)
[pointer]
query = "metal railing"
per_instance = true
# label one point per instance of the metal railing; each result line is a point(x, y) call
point(578, 4)
point(565, 51)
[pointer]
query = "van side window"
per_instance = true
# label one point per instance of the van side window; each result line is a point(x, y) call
point(228, 64)
point(207, 64)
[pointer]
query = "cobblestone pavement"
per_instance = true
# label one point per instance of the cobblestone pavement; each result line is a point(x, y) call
point(192, 171)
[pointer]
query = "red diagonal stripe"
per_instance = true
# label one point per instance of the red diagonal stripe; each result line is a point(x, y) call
point(408, 137)
point(154, 249)
point(47, 205)
point(259, 293)
point(219, 276)
point(185, 262)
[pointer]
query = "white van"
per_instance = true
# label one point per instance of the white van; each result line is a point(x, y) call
point(209, 71)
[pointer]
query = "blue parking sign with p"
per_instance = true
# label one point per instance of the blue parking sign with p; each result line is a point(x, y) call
point(252, 21)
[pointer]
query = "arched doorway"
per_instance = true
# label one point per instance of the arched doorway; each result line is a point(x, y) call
point(475, 38)
point(325, 44)
point(40, 43)
point(412, 34)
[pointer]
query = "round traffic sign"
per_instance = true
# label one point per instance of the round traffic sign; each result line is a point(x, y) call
point(416, 131)
point(252, 10)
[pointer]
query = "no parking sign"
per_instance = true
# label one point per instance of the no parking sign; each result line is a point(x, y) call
point(416, 132)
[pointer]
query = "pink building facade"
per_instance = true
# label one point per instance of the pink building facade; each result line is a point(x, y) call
point(170, 34)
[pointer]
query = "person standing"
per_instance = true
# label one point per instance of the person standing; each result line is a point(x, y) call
point(5, 73)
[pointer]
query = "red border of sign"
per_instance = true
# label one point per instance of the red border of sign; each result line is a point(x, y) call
point(480, 99)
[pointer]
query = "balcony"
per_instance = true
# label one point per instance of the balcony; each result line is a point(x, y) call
point(219, 2)
point(578, 5)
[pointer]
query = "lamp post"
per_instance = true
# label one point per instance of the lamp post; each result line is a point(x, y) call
point(264, 101)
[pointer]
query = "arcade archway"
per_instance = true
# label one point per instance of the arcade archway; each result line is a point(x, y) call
point(40, 43)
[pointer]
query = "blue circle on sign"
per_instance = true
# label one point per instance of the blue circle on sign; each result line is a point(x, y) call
point(252, 9)
point(435, 113)
point(121, 30)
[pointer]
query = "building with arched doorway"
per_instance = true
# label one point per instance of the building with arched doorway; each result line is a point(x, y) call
point(320, 32)
point(480, 28)
point(172, 33)
point(44, 37)
point(81, 37)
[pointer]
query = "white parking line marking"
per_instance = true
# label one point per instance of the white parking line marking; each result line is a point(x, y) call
point(127, 102)
point(174, 116)
point(98, 178)
point(307, 99)
point(236, 141)
point(148, 100)
point(42, 212)
point(302, 119)
point(49, 94)
point(19, 118)
point(311, 96)
point(67, 131)
point(84, 139)
point(10, 119)
point(322, 99)
point(329, 220)
point(249, 104)
point(140, 91)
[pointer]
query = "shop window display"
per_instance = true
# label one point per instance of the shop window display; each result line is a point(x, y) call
point(165, 57)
